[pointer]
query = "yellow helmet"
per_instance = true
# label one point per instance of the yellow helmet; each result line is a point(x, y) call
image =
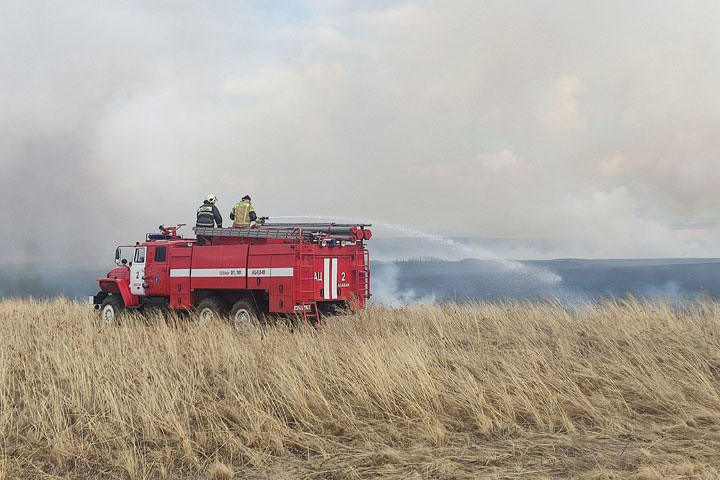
point(211, 198)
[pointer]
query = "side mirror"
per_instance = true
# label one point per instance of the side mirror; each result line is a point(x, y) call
point(117, 256)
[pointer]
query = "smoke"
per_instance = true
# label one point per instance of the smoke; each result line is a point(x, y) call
point(387, 288)
point(60, 201)
point(30, 281)
point(669, 290)
point(587, 124)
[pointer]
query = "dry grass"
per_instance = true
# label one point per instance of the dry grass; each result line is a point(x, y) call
point(491, 391)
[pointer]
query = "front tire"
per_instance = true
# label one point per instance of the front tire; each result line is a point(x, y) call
point(209, 310)
point(244, 315)
point(111, 309)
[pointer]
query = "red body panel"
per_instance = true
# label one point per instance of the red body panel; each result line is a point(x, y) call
point(219, 267)
point(119, 273)
point(282, 281)
point(156, 271)
point(179, 292)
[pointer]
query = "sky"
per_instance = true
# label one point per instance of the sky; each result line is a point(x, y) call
point(587, 128)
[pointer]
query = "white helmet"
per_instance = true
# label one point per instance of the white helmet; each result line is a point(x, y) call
point(211, 198)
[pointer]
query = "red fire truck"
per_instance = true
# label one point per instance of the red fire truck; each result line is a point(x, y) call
point(303, 269)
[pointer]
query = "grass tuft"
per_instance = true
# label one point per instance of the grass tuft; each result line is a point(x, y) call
point(220, 471)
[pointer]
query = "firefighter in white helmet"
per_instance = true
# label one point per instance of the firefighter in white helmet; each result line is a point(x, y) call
point(208, 214)
point(243, 213)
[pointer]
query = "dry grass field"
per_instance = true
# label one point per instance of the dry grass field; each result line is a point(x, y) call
point(618, 390)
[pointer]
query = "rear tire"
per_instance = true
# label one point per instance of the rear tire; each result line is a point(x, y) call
point(111, 309)
point(244, 315)
point(209, 309)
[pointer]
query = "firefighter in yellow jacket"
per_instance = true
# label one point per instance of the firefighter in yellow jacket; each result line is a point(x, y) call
point(243, 213)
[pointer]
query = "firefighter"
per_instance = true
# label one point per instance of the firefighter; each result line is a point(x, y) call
point(208, 214)
point(243, 213)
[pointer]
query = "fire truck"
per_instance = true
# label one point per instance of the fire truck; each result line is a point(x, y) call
point(305, 269)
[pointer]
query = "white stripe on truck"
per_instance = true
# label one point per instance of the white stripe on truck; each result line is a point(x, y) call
point(326, 278)
point(333, 278)
point(282, 272)
point(231, 272)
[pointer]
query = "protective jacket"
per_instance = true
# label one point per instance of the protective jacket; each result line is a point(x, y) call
point(208, 215)
point(243, 213)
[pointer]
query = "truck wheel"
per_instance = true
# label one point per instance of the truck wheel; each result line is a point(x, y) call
point(209, 309)
point(243, 315)
point(111, 308)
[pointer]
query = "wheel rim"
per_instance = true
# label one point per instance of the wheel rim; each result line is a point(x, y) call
point(108, 313)
point(241, 319)
point(206, 315)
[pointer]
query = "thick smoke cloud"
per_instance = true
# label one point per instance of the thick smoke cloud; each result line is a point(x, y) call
point(593, 126)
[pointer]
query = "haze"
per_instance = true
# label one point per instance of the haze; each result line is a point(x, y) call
point(589, 124)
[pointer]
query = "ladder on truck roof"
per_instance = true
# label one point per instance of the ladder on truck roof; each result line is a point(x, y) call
point(294, 231)
point(247, 232)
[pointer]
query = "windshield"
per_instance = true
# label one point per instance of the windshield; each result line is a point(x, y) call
point(124, 253)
